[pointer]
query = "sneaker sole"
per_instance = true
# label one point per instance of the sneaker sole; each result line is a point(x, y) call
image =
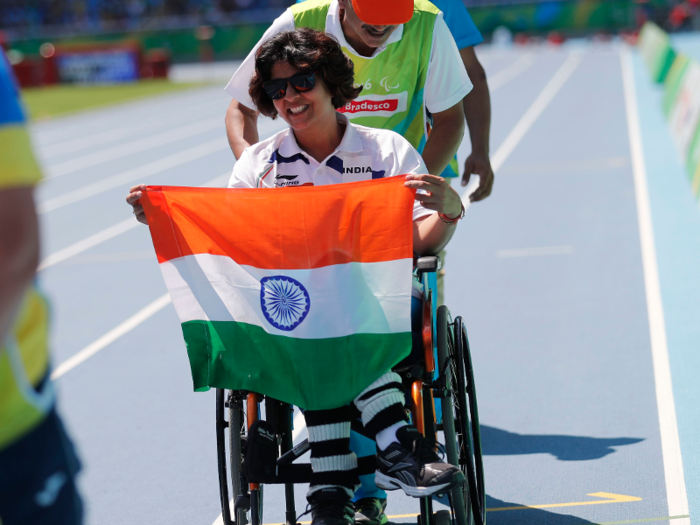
point(388, 483)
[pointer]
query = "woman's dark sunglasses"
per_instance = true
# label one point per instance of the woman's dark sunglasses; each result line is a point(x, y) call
point(277, 88)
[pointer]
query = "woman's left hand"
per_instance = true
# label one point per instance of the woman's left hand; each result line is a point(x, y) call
point(440, 196)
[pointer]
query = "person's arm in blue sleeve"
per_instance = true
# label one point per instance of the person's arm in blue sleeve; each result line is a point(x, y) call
point(477, 104)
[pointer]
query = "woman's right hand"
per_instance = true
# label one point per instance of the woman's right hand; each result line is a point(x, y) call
point(133, 199)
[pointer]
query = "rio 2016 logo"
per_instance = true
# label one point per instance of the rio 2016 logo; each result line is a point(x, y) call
point(385, 83)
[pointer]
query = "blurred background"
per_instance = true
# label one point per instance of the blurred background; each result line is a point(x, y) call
point(98, 41)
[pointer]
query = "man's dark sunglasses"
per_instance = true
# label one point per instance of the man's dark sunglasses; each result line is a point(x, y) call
point(277, 88)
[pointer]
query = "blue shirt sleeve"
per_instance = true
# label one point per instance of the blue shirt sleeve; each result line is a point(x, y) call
point(459, 22)
point(10, 107)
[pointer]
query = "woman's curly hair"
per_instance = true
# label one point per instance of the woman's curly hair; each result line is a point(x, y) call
point(307, 50)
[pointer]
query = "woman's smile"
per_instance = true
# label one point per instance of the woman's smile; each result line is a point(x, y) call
point(297, 110)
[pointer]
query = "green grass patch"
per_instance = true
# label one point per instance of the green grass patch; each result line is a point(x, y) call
point(52, 101)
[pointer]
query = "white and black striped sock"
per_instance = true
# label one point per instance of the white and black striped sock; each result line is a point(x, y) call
point(332, 462)
point(382, 403)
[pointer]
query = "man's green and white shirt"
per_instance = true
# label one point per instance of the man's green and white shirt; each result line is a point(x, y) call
point(418, 68)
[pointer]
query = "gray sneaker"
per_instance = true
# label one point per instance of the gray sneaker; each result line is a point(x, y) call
point(370, 511)
point(413, 465)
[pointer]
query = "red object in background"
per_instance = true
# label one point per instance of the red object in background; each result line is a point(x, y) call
point(156, 64)
point(556, 38)
point(521, 39)
point(99, 62)
point(631, 37)
point(49, 69)
point(26, 73)
point(678, 15)
point(45, 70)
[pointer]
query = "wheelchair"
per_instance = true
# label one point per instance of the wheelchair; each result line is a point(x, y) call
point(451, 382)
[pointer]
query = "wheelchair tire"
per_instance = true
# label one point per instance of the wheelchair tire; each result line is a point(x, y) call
point(459, 499)
point(221, 425)
point(236, 454)
point(469, 422)
point(467, 501)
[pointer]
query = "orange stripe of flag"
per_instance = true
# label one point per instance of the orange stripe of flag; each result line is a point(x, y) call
point(284, 228)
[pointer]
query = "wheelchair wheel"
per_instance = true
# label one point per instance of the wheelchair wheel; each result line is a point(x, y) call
point(235, 409)
point(462, 438)
point(221, 425)
point(243, 499)
point(470, 423)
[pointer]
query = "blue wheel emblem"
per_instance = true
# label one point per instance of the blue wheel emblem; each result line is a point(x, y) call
point(285, 302)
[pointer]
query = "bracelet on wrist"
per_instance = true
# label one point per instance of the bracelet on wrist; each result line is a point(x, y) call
point(452, 220)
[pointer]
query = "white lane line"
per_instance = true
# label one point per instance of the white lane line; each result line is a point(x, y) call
point(536, 109)
point(99, 258)
point(111, 336)
point(108, 233)
point(99, 138)
point(668, 425)
point(152, 168)
point(507, 74)
point(135, 146)
point(89, 122)
point(535, 252)
point(531, 115)
point(89, 242)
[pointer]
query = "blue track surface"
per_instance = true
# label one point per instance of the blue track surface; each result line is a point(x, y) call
point(677, 232)
point(547, 273)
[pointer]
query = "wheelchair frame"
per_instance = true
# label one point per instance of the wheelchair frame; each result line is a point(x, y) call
point(452, 382)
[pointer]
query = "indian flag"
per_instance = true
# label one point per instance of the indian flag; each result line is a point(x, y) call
point(302, 294)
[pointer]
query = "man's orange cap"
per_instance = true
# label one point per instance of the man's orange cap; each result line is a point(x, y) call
point(383, 12)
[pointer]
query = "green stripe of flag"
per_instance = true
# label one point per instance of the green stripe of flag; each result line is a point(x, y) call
point(314, 374)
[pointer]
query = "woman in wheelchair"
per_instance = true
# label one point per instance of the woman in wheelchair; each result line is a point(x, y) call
point(304, 77)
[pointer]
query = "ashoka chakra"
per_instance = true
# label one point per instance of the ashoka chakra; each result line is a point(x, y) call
point(285, 302)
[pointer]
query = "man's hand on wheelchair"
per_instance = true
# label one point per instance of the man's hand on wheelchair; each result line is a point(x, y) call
point(437, 194)
point(135, 194)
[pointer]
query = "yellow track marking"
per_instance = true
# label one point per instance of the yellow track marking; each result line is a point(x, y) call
point(609, 498)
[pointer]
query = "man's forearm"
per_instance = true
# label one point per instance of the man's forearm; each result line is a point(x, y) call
point(477, 111)
point(444, 140)
point(477, 104)
point(241, 127)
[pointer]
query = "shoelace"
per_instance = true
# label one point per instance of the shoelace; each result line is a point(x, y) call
point(424, 450)
point(308, 509)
